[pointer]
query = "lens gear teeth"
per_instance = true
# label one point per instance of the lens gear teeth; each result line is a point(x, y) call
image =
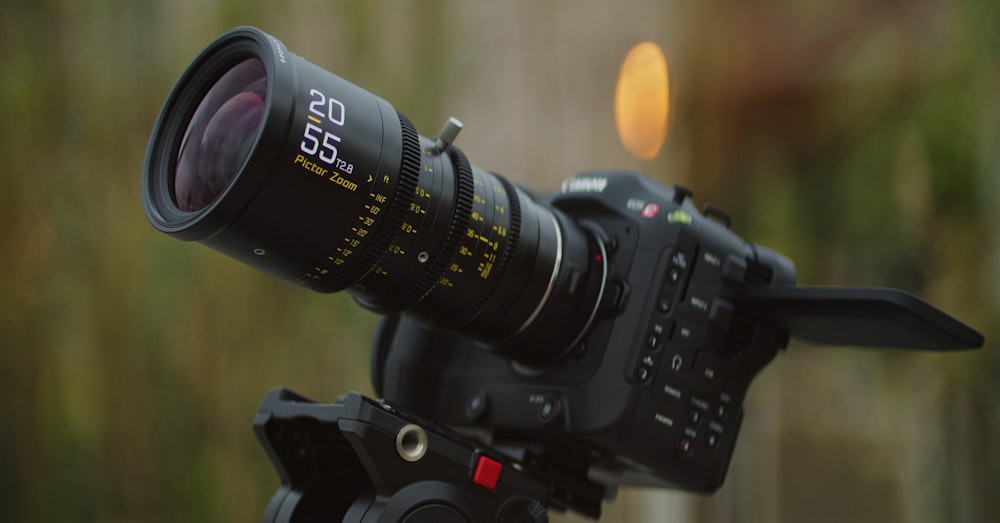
point(513, 235)
point(465, 190)
point(409, 174)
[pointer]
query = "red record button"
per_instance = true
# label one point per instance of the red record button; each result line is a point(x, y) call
point(487, 472)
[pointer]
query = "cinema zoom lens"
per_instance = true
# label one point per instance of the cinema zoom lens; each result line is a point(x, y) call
point(295, 171)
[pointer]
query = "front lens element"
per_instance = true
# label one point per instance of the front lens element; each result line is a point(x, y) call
point(220, 135)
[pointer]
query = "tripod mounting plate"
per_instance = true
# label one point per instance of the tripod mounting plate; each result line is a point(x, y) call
point(360, 460)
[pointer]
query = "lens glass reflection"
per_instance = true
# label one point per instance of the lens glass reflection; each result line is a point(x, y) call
point(220, 135)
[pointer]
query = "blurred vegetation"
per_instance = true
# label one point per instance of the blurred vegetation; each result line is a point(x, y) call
point(861, 139)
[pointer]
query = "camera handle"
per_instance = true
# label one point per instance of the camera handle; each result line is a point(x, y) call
point(360, 460)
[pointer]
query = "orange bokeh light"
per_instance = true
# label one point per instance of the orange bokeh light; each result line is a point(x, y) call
point(642, 100)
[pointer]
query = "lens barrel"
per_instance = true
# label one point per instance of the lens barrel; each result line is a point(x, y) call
point(297, 172)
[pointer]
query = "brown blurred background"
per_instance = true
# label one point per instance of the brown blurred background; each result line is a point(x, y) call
point(861, 139)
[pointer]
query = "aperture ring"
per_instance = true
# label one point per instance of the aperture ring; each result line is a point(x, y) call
point(510, 247)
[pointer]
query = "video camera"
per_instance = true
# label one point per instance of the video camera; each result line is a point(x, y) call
point(536, 351)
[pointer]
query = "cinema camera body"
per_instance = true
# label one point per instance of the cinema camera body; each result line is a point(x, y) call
point(535, 351)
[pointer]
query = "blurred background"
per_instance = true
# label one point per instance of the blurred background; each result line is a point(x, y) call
point(861, 139)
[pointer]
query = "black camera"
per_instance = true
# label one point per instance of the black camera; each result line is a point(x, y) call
point(602, 336)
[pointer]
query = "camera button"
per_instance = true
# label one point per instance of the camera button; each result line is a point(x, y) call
point(613, 244)
point(664, 306)
point(550, 411)
point(685, 447)
point(614, 297)
point(721, 313)
point(477, 406)
point(734, 269)
point(673, 277)
point(487, 472)
point(643, 374)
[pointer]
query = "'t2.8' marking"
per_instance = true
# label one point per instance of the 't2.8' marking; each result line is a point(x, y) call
point(321, 142)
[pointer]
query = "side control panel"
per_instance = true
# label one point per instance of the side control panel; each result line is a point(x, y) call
point(690, 409)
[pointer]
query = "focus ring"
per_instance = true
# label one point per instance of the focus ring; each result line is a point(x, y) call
point(460, 216)
point(409, 174)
